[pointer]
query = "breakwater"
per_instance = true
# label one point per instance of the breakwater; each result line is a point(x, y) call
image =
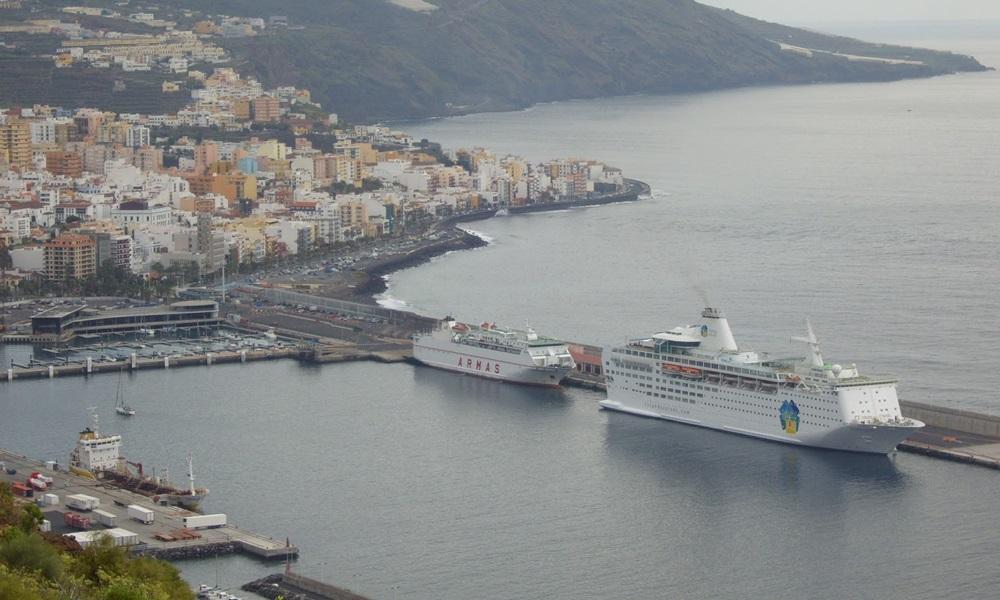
point(633, 190)
point(292, 586)
point(377, 269)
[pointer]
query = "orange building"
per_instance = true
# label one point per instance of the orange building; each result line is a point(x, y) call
point(68, 164)
point(70, 256)
point(266, 109)
point(234, 186)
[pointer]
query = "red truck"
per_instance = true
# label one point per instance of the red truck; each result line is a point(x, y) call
point(22, 490)
point(75, 520)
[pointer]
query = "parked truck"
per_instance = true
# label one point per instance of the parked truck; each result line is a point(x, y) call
point(205, 521)
point(143, 515)
point(43, 478)
point(76, 520)
point(82, 502)
point(105, 518)
point(22, 490)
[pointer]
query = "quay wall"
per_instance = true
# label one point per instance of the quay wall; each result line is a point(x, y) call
point(956, 419)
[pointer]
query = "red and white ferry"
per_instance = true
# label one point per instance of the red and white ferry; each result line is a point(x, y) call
point(514, 355)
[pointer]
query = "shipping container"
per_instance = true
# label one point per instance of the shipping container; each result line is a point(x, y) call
point(105, 518)
point(120, 537)
point(143, 515)
point(82, 502)
point(51, 499)
point(76, 520)
point(205, 521)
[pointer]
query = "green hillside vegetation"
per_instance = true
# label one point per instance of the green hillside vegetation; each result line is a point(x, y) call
point(371, 59)
point(368, 60)
point(35, 566)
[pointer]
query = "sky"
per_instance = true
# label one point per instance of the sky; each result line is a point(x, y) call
point(818, 11)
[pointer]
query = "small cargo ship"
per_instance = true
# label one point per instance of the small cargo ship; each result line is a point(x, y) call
point(511, 355)
point(98, 456)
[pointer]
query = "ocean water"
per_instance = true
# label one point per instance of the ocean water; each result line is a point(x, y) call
point(871, 208)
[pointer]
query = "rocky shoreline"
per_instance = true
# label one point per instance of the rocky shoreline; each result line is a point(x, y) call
point(377, 270)
point(460, 239)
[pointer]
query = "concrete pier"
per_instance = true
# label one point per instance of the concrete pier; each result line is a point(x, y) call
point(166, 537)
point(91, 366)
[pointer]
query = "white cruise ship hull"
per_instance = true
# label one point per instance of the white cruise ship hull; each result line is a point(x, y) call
point(486, 363)
point(875, 439)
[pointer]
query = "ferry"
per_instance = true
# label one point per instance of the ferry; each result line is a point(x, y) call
point(511, 355)
point(698, 375)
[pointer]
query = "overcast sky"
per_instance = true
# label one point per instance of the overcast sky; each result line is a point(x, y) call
point(814, 11)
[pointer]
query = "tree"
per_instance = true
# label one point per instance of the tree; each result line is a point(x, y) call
point(27, 551)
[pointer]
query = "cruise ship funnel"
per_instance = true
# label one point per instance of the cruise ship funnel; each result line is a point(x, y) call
point(716, 332)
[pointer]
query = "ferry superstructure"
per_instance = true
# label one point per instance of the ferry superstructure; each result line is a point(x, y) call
point(511, 355)
point(697, 374)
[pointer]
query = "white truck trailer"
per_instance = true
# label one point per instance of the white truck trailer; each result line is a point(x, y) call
point(82, 502)
point(143, 515)
point(205, 521)
point(105, 518)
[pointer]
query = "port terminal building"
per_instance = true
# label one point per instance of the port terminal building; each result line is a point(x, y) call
point(60, 324)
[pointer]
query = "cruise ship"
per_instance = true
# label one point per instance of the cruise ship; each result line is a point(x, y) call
point(512, 355)
point(696, 374)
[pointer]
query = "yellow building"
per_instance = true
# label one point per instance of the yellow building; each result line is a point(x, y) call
point(272, 149)
point(15, 144)
point(362, 151)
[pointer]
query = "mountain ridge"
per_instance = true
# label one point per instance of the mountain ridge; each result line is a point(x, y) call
point(373, 60)
point(508, 54)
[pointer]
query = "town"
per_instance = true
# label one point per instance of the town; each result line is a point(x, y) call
point(239, 178)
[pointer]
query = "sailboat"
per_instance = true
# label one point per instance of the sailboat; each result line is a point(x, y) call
point(120, 406)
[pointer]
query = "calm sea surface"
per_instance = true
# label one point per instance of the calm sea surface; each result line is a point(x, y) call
point(871, 208)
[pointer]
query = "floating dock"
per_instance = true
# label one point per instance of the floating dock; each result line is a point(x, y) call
point(166, 537)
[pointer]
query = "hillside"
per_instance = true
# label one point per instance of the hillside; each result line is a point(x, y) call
point(381, 59)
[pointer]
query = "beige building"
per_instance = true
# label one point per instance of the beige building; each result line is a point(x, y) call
point(70, 256)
